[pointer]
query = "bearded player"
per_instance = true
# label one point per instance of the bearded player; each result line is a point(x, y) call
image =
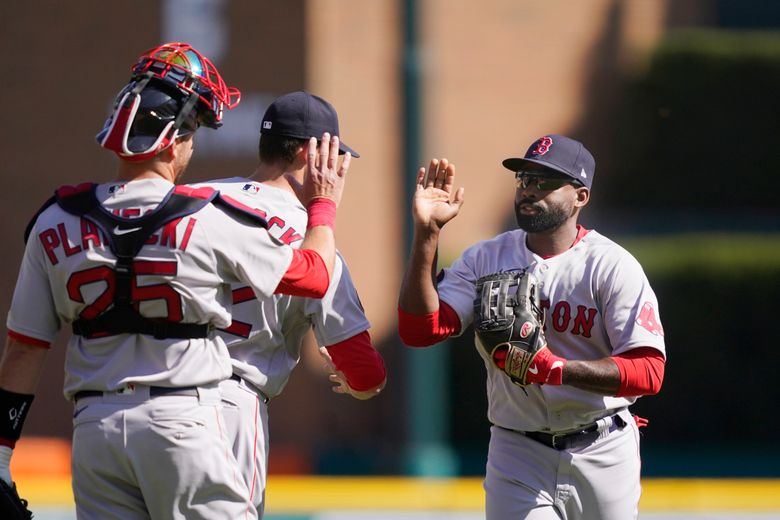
point(563, 443)
point(141, 270)
point(266, 335)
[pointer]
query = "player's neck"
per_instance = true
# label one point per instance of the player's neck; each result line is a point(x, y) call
point(553, 242)
point(276, 175)
point(129, 171)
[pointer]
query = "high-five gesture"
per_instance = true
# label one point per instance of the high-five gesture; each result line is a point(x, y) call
point(324, 176)
point(434, 205)
point(434, 202)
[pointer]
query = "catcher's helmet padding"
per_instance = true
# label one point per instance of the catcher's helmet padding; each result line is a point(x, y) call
point(173, 90)
point(147, 117)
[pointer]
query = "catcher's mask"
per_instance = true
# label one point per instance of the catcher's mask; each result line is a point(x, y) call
point(173, 90)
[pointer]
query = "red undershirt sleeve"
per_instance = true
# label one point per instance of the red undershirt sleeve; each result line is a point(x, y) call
point(307, 275)
point(428, 329)
point(641, 371)
point(359, 361)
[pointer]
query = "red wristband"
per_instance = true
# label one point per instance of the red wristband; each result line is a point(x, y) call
point(547, 368)
point(322, 212)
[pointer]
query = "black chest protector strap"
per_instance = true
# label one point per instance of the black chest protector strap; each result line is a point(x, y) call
point(126, 237)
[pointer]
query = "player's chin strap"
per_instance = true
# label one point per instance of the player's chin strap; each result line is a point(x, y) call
point(125, 237)
point(122, 122)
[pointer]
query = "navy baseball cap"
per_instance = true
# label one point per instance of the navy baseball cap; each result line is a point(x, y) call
point(559, 153)
point(303, 115)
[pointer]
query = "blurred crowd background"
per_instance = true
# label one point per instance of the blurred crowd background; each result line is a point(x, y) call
point(678, 101)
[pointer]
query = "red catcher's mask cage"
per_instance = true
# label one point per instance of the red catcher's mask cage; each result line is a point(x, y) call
point(179, 64)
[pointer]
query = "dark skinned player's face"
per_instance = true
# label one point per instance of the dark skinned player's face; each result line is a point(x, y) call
point(538, 209)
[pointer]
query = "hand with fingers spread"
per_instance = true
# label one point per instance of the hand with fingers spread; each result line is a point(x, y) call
point(434, 202)
point(339, 379)
point(324, 176)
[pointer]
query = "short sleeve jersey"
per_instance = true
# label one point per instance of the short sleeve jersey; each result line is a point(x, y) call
point(266, 335)
point(183, 273)
point(597, 303)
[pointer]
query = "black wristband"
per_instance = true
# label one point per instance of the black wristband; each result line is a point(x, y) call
point(13, 412)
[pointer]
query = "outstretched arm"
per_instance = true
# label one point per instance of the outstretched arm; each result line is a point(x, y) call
point(312, 265)
point(434, 205)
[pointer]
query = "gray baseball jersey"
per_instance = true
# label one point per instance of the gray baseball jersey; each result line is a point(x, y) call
point(598, 303)
point(266, 334)
point(166, 457)
point(189, 267)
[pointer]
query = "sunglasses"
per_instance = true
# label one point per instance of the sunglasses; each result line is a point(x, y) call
point(543, 182)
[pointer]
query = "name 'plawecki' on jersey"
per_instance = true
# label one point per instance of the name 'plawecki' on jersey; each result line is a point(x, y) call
point(56, 239)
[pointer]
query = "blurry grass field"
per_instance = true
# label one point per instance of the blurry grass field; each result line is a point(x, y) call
point(703, 251)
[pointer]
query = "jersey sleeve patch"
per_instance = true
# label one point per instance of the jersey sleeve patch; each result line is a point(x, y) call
point(647, 319)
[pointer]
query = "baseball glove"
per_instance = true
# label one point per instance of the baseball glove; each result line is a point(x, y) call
point(509, 323)
point(11, 506)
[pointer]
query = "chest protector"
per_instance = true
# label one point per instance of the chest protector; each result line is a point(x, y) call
point(125, 237)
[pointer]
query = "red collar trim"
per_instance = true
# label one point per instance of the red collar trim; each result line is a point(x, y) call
point(581, 232)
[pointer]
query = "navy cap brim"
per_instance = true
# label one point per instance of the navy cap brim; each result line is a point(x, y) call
point(344, 149)
point(516, 164)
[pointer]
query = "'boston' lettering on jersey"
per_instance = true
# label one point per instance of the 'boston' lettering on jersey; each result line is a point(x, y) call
point(561, 316)
point(55, 238)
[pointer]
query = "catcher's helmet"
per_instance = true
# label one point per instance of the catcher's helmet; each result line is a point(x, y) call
point(173, 90)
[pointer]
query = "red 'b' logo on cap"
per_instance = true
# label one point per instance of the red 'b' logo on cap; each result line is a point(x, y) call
point(543, 146)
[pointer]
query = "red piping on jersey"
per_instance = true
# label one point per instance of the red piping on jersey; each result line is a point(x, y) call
point(67, 190)
point(428, 329)
point(254, 449)
point(359, 361)
point(641, 371)
point(27, 340)
point(307, 275)
point(581, 232)
point(240, 205)
point(203, 192)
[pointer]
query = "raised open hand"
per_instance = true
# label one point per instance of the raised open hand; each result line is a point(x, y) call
point(434, 202)
point(324, 175)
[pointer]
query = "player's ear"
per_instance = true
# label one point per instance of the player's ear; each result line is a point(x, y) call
point(300, 156)
point(583, 196)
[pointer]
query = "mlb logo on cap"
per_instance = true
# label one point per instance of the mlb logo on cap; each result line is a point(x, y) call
point(559, 153)
point(302, 115)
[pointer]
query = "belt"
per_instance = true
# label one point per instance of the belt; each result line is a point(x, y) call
point(581, 437)
point(154, 391)
point(263, 397)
